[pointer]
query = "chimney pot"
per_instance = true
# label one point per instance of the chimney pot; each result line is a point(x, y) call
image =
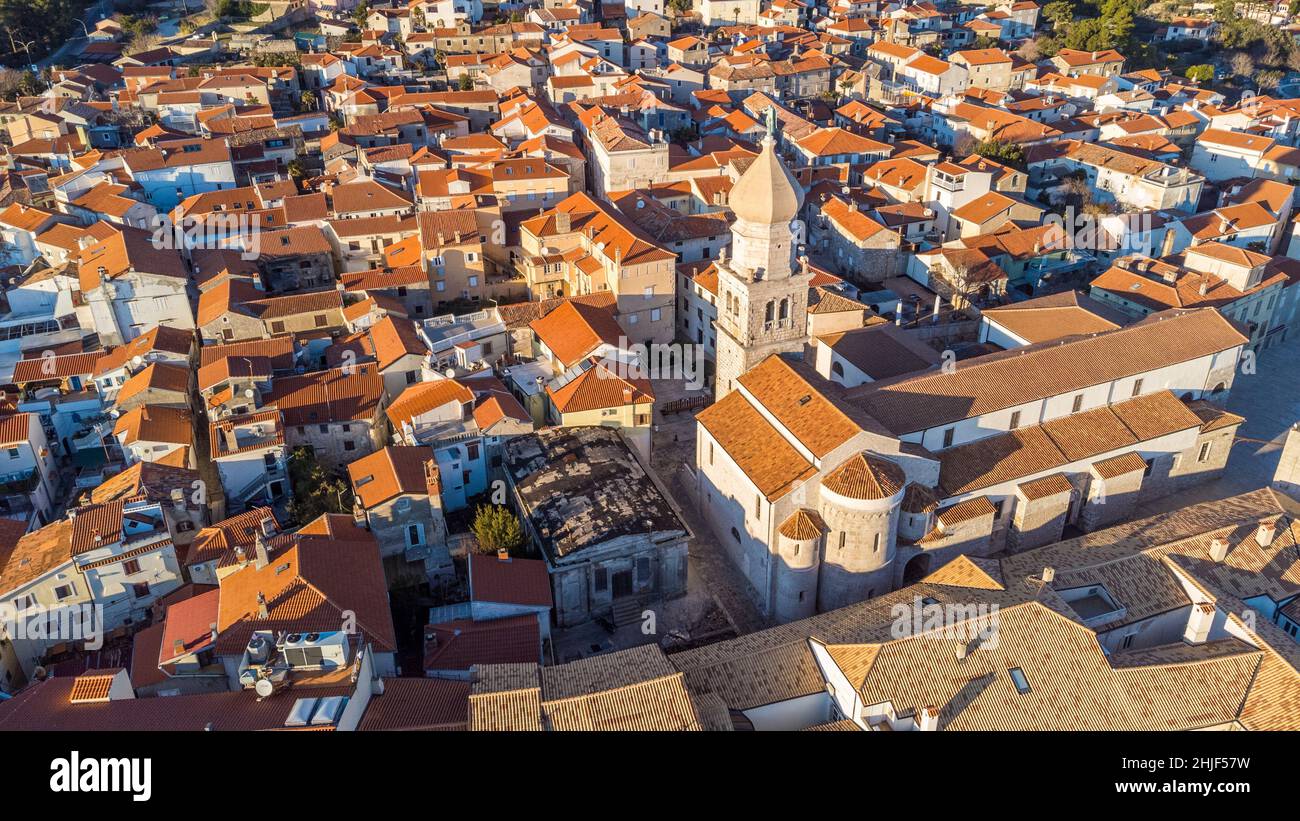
point(1218, 549)
point(1049, 575)
point(262, 550)
point(928, 719)
point(1264, 536)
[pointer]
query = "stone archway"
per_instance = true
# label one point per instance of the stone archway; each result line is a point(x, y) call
point(917, 568)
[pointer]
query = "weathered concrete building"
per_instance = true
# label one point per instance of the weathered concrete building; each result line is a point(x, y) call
point(609, 537)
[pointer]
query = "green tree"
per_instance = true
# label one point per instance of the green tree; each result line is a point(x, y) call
point(1003, 152)
point(496, 528)
point(29, 85)
point(466, 82)
point(316, 491)
point(39, 25)
point(360, 13)
point(1088, 35)
point(681, 135)
point(1059, 13)
point(1201, 73)
point(1118, 17)
point(307, 102)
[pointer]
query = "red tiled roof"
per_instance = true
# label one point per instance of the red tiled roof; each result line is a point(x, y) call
point(514, 581)
point(419, 704)
point(459, 645)
point(189, 625)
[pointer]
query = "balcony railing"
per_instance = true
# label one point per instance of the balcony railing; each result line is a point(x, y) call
point(21, 482)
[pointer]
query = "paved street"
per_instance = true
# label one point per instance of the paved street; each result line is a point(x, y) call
point(710, 569)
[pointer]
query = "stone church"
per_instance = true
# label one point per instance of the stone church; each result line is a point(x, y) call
point(826, 492)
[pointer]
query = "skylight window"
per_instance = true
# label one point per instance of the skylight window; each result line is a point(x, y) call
point(1018, 679)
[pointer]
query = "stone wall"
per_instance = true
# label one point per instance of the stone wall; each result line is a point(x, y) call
point(1037, 522)
point(1110, 500)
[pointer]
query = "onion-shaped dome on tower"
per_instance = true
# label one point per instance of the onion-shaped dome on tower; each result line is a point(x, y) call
point(767, 193)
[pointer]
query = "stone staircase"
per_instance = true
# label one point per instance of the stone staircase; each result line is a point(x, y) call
point(626, 611)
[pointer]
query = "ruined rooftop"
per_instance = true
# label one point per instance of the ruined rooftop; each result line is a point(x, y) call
point(581, 487)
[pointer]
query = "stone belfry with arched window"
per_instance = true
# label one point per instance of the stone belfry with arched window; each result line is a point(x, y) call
point(762, 287)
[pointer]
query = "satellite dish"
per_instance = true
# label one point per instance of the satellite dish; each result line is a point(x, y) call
point(450, 373)
point(137, 360)
point(248, 392)
point(39, 673)
point(264, 688)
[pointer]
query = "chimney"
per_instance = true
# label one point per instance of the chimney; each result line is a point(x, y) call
point(241, 555)
point(928, 719)
point(262, 611)
point(961, 651)
point(1199, 622)
point(1049, 575)
point(1218, 549)
point(1205, 286)
point(563, 223)
point(503, 555)
point(263, 554)
point(1264, 535)
point(1286, 477)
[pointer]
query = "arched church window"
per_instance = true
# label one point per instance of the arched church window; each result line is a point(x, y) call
point(768, 311)
point(785, 309)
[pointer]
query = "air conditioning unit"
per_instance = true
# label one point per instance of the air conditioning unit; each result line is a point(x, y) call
point(327, 650)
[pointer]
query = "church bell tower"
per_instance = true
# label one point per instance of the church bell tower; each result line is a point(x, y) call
point(762, 287)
